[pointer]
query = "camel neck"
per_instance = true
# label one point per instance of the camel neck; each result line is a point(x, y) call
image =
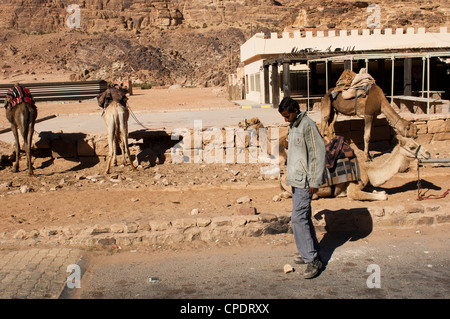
point(394, 119)
point(381, 174)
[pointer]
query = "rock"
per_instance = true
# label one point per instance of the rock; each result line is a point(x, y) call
point(25, 189)
point(268, 218)
point(243, 200)
point(221, 221)
point(7, 184)
point(194, 211)
point(288, 268)
point(203, 222)
point(183, 223)
point(132, 227)
point(117, 228)
point(20, 234)
point(376, 211)
point(159, 225)
point(99, 230)
point(247, 211)
point(106, 241)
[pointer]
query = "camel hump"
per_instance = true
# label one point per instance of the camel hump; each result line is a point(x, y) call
point(112, 93)
point(16, 95)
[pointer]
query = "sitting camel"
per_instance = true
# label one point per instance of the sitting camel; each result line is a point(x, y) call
point(369, 108)
point(116, 114)
point(21, 112)
point(404, 152)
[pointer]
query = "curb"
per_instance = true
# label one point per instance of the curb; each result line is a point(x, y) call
point(212, 229)
point(261, 106)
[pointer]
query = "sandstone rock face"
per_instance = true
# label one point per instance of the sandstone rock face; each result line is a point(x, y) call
point(51, 15)
point(165, 42)
point(101, 15)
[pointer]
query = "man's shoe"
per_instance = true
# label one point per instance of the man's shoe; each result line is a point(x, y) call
point(312, 268)
point(299, 260)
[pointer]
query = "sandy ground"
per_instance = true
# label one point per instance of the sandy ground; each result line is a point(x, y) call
point(62, 193)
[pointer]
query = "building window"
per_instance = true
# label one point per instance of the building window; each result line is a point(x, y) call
point(257, 82)
point(246, 83)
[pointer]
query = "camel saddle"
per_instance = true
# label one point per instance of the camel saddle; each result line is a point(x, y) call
point(341, 163)
point(18, 94)
point(112, 93)
point(345, 170)
point(352, 85)
point(337, 148)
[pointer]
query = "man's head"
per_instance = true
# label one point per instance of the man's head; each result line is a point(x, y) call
point(289, 109)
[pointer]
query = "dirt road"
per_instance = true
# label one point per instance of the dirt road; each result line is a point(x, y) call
point(411, 263)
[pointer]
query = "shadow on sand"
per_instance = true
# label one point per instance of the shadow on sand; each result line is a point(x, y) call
point(341, 226)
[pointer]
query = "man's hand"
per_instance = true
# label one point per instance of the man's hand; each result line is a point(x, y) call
point(313, 190)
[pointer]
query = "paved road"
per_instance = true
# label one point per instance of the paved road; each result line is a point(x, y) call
point(405, 263)
point(35, 273)
point(94, 123)
point(410, 264)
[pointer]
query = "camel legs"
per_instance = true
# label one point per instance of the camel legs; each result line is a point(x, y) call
point(368, 123)
point(17, 148)
point(28, 137)
point(355, 192)
point(124, 140)
point(112, 147)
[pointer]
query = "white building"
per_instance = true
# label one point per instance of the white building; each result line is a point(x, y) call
point(402, 61)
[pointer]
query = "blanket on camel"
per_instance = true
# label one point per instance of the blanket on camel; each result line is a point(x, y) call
point(341, 163)
point(18, 94)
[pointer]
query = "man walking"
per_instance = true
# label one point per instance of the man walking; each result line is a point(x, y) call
point(305, 168)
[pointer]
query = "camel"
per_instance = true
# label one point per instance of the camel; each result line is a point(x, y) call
point(116, 116)
point(369, 108)
point(404, 152)
point(22, 117)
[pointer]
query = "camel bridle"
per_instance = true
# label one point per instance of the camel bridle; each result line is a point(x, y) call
point(416, 153)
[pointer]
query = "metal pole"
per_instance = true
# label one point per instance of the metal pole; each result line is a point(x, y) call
point(428, 84)
point(307, 85)
point(326, 75)
point(392, 80)
point(423, 75)
point(435, 160)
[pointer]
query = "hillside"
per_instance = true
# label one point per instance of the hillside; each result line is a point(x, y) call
point(192, 43)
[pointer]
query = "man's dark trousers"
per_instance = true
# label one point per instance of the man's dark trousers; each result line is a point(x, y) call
point(302, 226)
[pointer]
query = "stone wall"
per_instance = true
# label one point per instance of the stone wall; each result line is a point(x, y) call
point(150, 147)
point(359, 222)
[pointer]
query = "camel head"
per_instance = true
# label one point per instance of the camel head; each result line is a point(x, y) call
point(411, 149)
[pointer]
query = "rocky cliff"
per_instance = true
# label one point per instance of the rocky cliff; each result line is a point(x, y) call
point(190, 42)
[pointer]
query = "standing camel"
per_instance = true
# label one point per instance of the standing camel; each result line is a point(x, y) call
point(21, 112)
point(375, 174)
point(369, 108)
point(116, 115)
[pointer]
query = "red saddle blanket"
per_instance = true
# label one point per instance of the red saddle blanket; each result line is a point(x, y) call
point(18, 94)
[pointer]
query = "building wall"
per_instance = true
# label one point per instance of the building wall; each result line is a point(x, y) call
point(330, 40)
